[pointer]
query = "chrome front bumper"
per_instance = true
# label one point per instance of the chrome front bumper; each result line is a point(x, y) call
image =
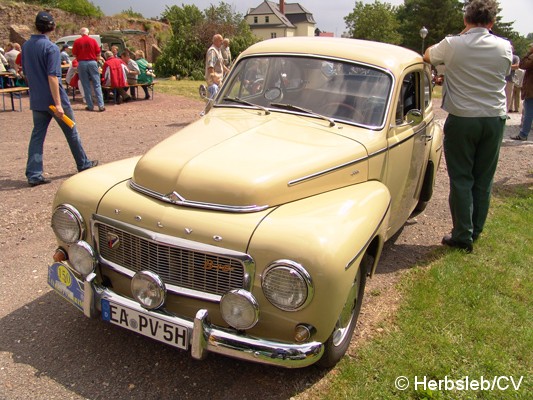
point(206, 338)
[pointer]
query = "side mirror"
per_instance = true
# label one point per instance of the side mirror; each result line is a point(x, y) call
point(414, 117)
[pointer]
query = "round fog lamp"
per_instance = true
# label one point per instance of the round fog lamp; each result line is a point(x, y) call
point(81, 257)
point(239, 309)
point(148, 289)
point(67, 224)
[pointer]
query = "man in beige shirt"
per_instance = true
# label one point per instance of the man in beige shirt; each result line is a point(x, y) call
point(214, 66)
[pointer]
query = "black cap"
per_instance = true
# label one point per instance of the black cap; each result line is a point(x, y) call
point(65, 46)
point(44, 18)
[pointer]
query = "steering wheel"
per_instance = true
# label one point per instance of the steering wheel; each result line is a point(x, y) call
point(256, 86)
point(341, 110)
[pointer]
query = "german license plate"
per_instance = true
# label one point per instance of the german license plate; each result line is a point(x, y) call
point(65, 283)
point(145, 324)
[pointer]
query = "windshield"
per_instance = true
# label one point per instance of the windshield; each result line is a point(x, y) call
point(333, 89)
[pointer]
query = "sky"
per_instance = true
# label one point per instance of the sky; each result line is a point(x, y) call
point(329, 15)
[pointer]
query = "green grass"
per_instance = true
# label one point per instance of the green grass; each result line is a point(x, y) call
point(181, 88)
point(462, 316)
point(437, 92)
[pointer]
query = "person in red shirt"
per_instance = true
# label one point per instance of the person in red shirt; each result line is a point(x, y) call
point(86, 50)
point(114, 75)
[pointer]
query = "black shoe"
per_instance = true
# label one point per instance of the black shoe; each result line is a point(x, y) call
point(39, 182)
point(94, 163)
point(101, 108)
point(147, 97)
point(88, 109)
point(448, 241)
point(518, 137)
point(126, 99)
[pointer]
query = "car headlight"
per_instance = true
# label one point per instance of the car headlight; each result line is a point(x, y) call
point(148, 289)
point(287, 285)
point(239, 309)
point(68, 224)
point(82, 258)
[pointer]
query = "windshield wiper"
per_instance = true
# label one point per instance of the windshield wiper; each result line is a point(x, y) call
point(246, 103)
point(304, 110)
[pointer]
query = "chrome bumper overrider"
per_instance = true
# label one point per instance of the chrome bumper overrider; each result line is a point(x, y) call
point(206, 338)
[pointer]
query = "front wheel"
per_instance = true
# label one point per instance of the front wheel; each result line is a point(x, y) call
point(337, 344)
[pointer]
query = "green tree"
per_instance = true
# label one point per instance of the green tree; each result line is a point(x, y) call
point(183, 53)
point(441, 18)
point(375, 21)
point(80, 7)
point(192, 34)
point(131, 14)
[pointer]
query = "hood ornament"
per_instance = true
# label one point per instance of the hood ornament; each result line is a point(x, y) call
point(174, 197)
point(113, 241)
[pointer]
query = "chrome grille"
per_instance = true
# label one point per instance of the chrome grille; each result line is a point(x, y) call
point(182, 267)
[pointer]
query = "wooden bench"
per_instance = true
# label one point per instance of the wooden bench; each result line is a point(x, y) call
point(12, 91)
point(150, 87)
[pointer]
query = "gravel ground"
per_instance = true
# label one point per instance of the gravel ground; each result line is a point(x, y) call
point(48, 350)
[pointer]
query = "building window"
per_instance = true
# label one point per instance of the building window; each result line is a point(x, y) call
point(255, 20)
point(273, 35)
point(267, 19)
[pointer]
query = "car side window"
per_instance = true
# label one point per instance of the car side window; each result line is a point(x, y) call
point(427, 90)
point(409, 98)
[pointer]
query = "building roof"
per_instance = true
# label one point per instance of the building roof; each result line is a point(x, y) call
point(294, 13)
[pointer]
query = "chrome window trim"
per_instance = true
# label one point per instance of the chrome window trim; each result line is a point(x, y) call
point(177, 199)
point(245, 259)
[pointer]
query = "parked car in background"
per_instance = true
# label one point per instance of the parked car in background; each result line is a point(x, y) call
point(251, 232)
point(104, 40)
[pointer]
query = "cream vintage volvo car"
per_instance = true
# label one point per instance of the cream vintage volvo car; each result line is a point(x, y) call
point(251, 232)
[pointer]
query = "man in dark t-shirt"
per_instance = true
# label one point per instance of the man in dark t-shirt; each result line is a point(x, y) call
point(41, 64)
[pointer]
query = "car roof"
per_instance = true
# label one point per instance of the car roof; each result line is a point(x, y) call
point(388, 56)
point(71, 38)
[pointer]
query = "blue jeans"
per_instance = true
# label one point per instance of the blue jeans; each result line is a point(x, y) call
point(527, 117)
point(90, 75)
point(41, 120)
point(212, 90)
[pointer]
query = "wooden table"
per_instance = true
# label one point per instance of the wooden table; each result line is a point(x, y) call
point(7, 75)
point(11, 91)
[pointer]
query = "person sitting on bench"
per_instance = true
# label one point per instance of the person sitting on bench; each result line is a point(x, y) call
point(146, 77)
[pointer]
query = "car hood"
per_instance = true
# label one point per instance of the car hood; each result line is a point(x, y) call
point(244, 158)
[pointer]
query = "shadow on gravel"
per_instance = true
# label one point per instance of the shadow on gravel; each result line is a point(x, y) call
point(100, 361)
point(179, 124)
point(12, 184)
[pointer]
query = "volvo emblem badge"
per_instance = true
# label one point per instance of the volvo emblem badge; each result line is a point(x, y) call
point(113, 241)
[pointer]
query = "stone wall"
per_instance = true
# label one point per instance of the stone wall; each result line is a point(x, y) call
point(17, 21)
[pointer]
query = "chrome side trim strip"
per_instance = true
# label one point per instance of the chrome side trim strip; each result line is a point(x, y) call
point(177, 199)
point(325, 172)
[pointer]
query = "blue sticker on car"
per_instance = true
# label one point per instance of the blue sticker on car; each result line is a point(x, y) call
point(66, 284)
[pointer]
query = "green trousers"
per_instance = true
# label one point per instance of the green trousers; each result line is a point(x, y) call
point(471, 150)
